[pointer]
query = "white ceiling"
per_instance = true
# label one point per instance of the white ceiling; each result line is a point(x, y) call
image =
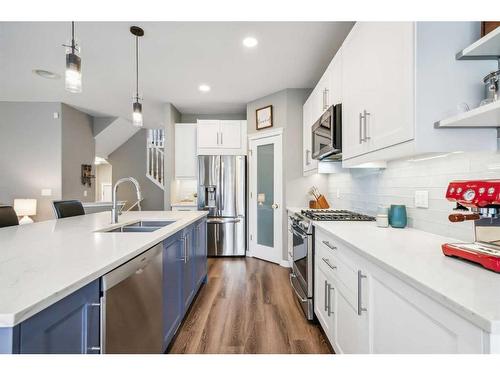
point(175, 58)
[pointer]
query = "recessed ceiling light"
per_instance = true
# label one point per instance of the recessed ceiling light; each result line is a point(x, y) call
point(250, 42)
point(46, 74)
point(204, 88)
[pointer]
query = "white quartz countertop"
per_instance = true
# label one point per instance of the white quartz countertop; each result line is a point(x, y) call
point(415, 257)
point(294, 210)
point(42, 263)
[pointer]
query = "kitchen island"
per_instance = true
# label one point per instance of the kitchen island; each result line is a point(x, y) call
point(44, 263)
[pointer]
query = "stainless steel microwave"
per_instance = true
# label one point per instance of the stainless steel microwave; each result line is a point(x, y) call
point(327, 135)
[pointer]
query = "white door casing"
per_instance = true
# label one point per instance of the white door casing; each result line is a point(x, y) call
point(261, 246)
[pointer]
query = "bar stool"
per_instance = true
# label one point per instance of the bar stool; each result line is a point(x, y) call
point(8, 217)
point(68, 208)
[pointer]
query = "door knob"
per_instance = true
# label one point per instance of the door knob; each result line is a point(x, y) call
point(275, 205)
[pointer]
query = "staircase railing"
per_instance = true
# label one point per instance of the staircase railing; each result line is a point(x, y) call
point(155, 170)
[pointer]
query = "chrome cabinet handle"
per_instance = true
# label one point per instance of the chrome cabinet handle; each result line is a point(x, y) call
point(360, 292)
point(185, 250)
point(328, 244)
point(221, 138)
point(365, 116)
point(360, 128)
point(307, 157)
point(217, 137)
point(326, 295)
point(329, 289)
point(94, 348)
point(326, 98)
point(327, 261)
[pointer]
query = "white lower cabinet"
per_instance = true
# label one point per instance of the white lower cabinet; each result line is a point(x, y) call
point(365, 309)
point(324, 302)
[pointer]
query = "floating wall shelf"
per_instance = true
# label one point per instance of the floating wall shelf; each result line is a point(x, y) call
point(486, 48)
point(485, 116)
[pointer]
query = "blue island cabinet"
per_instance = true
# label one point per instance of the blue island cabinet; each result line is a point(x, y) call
point(184, 269)
point(70, 326)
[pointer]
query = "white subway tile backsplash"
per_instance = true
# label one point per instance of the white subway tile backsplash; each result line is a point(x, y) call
point(364, 191)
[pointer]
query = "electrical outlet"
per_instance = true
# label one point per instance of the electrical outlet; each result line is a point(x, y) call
point(85, 193)
point(46, 192)
point(421, 199)
point(338, 193)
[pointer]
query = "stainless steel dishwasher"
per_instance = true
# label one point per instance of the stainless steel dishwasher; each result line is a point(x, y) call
point(131, 305)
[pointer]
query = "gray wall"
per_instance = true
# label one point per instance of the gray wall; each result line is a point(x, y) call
point(78, 147)
point(191, 118)
point(101, 123)
point(172, 116)
point(30, 153)
point(130, 160)
point(287, 114)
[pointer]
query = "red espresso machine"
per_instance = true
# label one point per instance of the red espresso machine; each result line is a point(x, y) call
point(478, 201)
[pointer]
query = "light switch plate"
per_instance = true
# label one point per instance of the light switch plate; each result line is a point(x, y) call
point(421, 199)
point(85, 193)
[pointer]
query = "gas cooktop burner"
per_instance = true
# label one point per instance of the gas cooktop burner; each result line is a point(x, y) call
point(335, 215)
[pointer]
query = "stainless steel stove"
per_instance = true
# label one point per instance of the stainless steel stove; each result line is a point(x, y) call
point(302, 235)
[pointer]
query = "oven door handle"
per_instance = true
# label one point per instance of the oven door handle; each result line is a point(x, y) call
point(295, 290)
point(298, 234)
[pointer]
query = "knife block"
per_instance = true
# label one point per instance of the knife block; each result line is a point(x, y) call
point(320, 203)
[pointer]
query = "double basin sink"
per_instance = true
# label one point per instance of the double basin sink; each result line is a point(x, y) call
point(141, 226)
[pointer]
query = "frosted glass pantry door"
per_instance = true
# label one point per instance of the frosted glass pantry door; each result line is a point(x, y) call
point(265, 185)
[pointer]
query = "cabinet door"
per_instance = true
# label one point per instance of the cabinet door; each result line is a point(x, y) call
point(352, 328)
point(200, 249)
point(208, 134)
point(230, 134)
point(70, 326)
point(309, 164)
point(324, 302)
point(185, 151)
point(173, 304)
point(408, 322)
point(390, 51)
point(357, 88)
point(335, 84)
point(188, 268)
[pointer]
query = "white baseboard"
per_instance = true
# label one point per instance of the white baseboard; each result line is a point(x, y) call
point(285, 263)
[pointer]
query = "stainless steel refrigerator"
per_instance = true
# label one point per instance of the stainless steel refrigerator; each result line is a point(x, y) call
point(222, 192)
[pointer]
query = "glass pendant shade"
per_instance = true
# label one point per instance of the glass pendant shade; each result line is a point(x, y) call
point(137, 114)
point(73, 74)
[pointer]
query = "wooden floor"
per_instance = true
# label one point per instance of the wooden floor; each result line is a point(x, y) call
point(247, 306)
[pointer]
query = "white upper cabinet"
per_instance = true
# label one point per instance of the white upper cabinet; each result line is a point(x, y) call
point(398, 79)
point(308, 163)
point(230, 134)
point(377, 73)
point(208, 133)
point(185, 151)
point(222, 137)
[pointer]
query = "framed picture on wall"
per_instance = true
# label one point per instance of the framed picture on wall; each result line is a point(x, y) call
point(264, 117)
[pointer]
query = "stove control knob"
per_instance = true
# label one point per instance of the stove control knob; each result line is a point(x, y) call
point(469, 195)
point(482, 190)
point(459, 190)
point(452, 190)
point(491, 190)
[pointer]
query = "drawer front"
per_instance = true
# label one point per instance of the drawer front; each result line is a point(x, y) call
point(342, 269)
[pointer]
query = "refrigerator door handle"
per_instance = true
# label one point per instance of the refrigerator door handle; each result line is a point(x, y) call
point(222, 189)
point(224, 221)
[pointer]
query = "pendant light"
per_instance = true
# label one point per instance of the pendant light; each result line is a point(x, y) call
point(137, 106)
point(73, 74)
